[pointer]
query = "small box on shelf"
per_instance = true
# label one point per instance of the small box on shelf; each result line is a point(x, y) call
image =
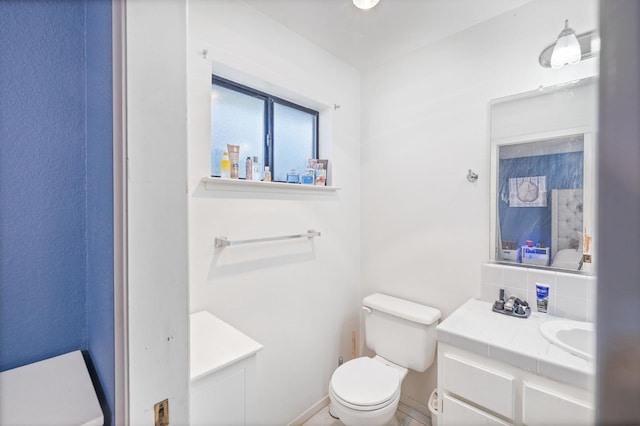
point(509, 255)
point(535, 255)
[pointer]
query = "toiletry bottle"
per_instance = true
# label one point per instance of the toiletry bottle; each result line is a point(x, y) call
point(256, 169)
point(293, 176)
point(267, 174)
point(234, 157)
point(249, 169)
point(309, 175)
point(542, 296)
point(319, 174)
point(225, 166)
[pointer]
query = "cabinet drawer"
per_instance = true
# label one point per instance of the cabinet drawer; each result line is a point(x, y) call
point(485, 387)
point(457, 413)
point(543, 407)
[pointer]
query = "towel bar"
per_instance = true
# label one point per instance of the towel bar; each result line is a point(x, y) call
point(224, 242)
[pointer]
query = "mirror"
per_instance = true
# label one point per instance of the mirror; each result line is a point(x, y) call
point(542, 177)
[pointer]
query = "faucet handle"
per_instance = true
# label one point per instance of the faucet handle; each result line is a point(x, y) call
point(508, 306)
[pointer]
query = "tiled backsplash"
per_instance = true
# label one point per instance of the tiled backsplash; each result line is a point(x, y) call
point(571, 296)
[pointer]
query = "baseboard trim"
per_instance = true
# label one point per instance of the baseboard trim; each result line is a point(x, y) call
point(315, 409)
point(411, 408)
point(408, 406)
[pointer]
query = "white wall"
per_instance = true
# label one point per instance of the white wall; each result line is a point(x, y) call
point(156, 125)
point(424, 227)
point(300, 299)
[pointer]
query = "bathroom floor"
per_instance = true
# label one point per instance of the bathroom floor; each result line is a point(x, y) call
point(324, 419)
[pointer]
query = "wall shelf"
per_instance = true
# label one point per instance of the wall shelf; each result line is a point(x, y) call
point(241, 185)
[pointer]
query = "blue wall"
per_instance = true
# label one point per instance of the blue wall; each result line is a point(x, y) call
point(99, 196)
point(56, 249)
point(534, 223)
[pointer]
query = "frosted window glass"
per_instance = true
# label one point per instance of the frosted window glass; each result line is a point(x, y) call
point(293, 140)
point(236, 119)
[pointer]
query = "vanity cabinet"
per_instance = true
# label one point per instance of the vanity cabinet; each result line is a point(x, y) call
point(222, 373)
point(477, 390)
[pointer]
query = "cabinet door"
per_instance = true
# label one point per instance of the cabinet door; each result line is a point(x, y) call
point(544, 407)
point(218, 400)
point(458, 413)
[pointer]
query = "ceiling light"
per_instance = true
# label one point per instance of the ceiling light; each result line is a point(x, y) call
point(567, 50)
point(564, 51)
point(365, 4)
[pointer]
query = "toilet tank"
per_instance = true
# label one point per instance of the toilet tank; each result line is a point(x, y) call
point(55, 391)
point(401, 331)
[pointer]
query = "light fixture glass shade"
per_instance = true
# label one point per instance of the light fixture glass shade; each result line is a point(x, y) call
point(365, 4)
point(567, 50)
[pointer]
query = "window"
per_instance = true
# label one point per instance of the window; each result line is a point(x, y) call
point(283, 135)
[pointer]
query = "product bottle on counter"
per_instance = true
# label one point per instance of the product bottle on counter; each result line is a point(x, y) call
point(257, 175)
point(249, 169)
point(267, 174)
point(225, 166)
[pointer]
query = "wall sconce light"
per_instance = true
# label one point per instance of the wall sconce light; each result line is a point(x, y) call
point(365, 4)
point(570, 48)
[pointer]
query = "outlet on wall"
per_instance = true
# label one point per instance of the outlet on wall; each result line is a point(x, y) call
point(161, 410)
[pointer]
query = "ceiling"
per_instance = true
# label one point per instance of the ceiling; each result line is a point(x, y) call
point(394, 28)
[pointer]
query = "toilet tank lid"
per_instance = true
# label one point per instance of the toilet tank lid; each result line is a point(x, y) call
point(57, 391)
point(401, 308)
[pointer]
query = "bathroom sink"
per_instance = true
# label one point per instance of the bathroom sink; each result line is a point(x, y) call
point(575, 337)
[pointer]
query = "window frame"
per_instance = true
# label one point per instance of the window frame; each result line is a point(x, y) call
point(268, 139)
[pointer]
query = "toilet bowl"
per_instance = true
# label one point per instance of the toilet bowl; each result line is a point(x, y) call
point(366, 391)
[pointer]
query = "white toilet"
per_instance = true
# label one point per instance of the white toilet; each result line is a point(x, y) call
point(366, 391)
point(54, 391)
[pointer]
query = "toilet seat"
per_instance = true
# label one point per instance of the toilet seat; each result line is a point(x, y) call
point(364, 408)
point(365, 384)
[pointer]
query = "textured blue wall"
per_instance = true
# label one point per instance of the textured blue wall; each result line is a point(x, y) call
point(56, 225)
point(100, 199)
point(520, 224)
point(42, 180)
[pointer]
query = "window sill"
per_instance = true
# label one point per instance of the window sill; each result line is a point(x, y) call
point(241, 185)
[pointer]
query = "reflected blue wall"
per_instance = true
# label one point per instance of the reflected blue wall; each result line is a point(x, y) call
point(563, 171)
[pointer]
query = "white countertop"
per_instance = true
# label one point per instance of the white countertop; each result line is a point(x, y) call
point(476, 328)
point(215, 345)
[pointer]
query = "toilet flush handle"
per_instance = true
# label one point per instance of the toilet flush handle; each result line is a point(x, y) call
point(367, 309)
